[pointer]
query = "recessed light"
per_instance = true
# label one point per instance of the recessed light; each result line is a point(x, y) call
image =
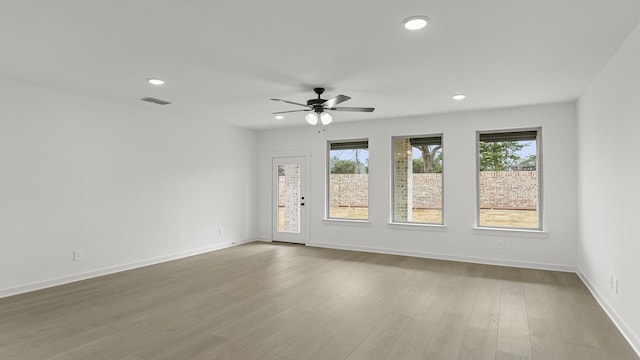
point(415, 22)
point(279, 117)
point(459, 97)
point(155, 81)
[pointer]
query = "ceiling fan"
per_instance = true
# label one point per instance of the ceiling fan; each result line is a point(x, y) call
point(319, 106)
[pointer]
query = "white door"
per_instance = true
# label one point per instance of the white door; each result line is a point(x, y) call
point(289, 203)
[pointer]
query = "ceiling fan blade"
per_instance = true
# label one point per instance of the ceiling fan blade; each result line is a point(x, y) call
point(290, 111)
point(335, 101)
point(358, 109)
point(290, 102)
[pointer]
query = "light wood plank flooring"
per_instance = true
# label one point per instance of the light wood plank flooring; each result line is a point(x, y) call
point(275, 301)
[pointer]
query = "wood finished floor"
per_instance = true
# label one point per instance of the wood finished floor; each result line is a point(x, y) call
point(274, 301)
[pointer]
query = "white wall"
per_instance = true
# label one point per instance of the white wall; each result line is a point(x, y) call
point(127, 185)
point(555, 249)
point(609, 196)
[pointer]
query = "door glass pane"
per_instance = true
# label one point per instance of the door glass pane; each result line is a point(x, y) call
point(289, 198)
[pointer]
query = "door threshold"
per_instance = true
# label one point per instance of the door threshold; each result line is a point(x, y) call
point(287, 242)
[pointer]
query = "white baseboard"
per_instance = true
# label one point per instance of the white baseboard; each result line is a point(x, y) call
point(625, 330)
point(428, 255)
point(113, 269)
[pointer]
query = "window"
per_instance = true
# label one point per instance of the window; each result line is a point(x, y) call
point(348, 180)
point(417, 179)
point(509, 179)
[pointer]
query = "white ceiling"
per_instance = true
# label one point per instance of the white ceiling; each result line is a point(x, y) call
point(224, 59)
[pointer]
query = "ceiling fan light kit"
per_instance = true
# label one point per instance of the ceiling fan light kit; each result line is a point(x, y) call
point(326, 118)
point(311, 118)
point(318, 107)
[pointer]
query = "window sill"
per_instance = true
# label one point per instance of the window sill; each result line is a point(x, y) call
point(417, 226)
point(345, 221)
point(524, 233)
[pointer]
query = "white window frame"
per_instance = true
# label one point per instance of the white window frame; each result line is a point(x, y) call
point(394, 221)
point(328, 182)
point(539, 169)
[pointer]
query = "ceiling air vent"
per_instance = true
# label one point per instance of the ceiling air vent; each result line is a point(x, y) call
point(155, 101)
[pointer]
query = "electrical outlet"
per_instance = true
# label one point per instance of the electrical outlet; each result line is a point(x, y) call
point(78, 255)
point(611, 282)
point(220, 231)
point(500, 244)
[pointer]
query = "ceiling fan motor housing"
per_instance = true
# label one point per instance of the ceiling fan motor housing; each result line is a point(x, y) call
point(317, 103)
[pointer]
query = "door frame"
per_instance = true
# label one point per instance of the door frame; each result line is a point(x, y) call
point(304, 156)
